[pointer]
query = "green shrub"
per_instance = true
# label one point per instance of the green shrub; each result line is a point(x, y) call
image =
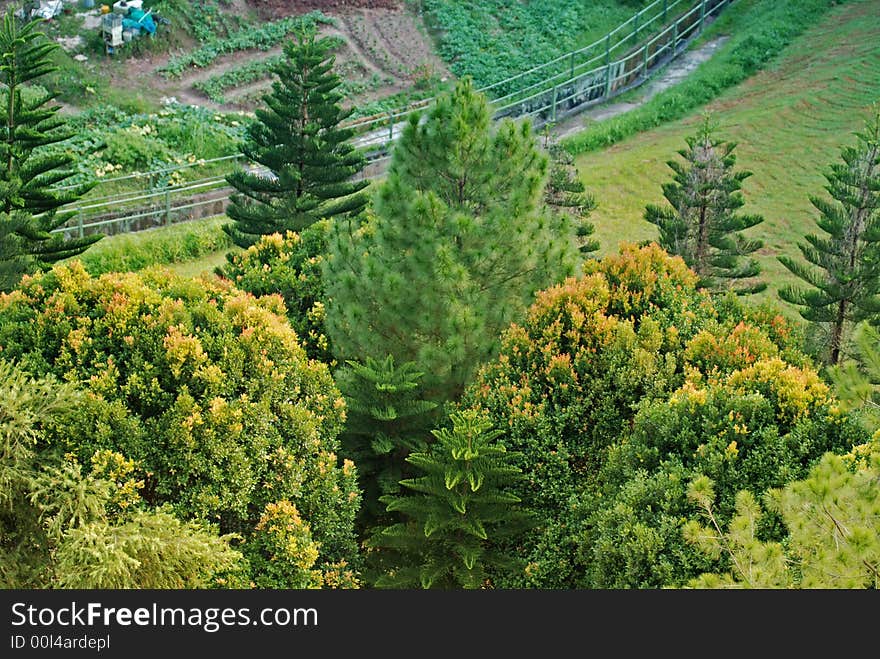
point(65, 527)
point(134, 151)
point(570, 382)
point(289, 266)
point(756, 428)
point(203, 385)
point(833, 522)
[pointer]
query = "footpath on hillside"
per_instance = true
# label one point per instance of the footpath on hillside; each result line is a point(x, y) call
point(674, 72)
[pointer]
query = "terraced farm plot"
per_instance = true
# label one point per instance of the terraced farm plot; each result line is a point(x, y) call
point(789, 121)
point(383, 51)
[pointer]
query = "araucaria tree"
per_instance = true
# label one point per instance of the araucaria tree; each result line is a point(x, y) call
point(299, 141)
point(460, 506)
point(700, 223)
point(566, 193)
point(844, 285)
point(459, 244)
point(386, 420)
point(29, 202)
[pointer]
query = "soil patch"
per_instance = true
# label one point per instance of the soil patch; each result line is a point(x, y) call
point(278, 8)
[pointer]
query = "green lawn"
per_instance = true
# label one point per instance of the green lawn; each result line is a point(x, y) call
point(202, 266)
point(789, 121)
point(181, 244)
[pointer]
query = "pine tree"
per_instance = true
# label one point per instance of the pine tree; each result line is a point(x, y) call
point(298, 139)
point(700, 222)
point(566, 193)
point(460, 508)
point(457, 248)
point(833, 522)
point(844, 285)
point(386, 421)
point(29, 200)
point(857, 381)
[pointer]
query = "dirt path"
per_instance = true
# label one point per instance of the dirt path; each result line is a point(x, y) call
point(246, 93)
point(676, 71)
point(363, 58)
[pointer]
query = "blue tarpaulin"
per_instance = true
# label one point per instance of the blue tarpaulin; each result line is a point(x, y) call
point(137, 18)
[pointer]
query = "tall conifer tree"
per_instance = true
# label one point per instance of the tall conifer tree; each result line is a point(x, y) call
point(458, 247)
point(29, 198)
point(299, 140)
point(700, 222)
point(844, 285)
point(566, 193)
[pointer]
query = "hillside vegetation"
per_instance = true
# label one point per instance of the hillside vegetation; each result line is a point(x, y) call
point(790, 122)
point(420, 371)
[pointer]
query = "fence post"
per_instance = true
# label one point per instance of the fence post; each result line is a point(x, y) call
point(674, 37)
point(702, 13)
point(607, 65)
point(636, 27)
point(553, 112)
point(167, 207)
point(665, 9)
point(571, 66)
point(390, 126)
point(645, 66)
point(79, 222)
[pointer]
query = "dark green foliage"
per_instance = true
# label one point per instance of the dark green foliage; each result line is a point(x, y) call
point(298, 140)
point(600, 357)
point(289, 265)
point(456, 251)
point(700, 222)
point(566, 193)
point(843, 277)
point(386, 421)
point(568, 380)
point(492, 40)
point(28, 204)
point(461, 506)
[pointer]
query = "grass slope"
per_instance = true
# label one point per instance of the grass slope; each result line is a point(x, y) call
point(790, 122)
point(193, 245)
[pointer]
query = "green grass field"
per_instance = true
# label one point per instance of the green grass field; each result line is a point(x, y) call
point(202, 266)
point(186, 244)
point(789, 121)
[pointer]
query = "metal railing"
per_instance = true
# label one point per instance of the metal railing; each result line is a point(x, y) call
point(558, 93)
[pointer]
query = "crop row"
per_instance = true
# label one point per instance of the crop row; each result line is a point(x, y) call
point(263, 36)
point(215, 87)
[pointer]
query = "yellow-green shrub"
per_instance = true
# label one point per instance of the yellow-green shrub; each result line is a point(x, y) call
point(203, 385)
point(569, 383)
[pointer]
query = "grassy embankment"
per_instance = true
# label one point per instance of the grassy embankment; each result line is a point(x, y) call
point(789, 121)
